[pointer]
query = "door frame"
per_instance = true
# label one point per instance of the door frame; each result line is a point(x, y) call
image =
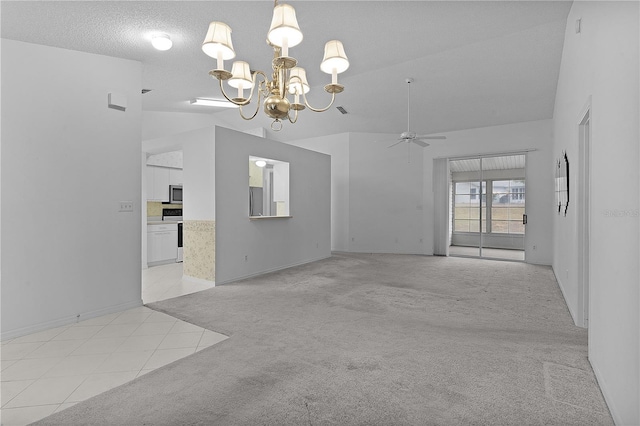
point(449, 185)
point(584, 214)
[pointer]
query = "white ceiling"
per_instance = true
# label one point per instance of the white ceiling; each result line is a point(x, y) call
point(475, 64)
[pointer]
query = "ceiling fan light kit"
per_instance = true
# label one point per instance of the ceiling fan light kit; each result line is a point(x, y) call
point(287, 79)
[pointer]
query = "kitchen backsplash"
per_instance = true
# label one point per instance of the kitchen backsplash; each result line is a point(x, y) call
point(154, 208)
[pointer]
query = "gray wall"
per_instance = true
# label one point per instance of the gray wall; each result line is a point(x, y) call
point(67, 162)
point(268, 244)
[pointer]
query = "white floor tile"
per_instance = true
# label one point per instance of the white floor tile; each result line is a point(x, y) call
point(99, 346)
point(41, 336)
point(65, 406)
point(141, 343)
point(160, 317)
point(27, 369)
point(143, 372)
point(77, 365)
point(132, 318)
point(211, 338)
point(117, 330)
point(10, 390)
point(162, 357)
point(53, 390)
point(124, 361)
point(79, 333)
point(151, 328)
point(26, 415)
point(5, 364)
point(181, 340)
point(15, 351)
point(55, 348)
point(97, 383)
point(185, 327)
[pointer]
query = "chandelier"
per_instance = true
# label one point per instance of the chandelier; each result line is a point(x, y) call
point(288, 85)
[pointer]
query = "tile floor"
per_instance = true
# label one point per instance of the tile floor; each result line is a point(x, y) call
point(54, 369)
point(165, 281)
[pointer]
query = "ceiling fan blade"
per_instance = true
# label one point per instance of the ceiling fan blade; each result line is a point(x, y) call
point(419, 142)
point(399, 142)
point(430, 137)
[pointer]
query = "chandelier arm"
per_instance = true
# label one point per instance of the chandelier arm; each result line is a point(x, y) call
point(256, 111)
point(295, 116)
point(248, 100)
point(304, 97)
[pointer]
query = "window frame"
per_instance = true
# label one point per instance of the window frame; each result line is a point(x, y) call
point(487, 216)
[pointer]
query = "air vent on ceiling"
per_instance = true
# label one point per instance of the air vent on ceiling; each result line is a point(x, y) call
point(144, 91)
point(342, 110)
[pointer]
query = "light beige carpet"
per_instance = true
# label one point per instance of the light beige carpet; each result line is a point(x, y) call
point(371, 340)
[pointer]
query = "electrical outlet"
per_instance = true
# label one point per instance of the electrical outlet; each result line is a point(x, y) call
point(126, 206)
point(246, 258)
point(535, 247)
point(317, 245)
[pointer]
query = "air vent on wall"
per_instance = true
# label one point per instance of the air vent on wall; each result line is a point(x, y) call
point(144, 91)
point(342, 110)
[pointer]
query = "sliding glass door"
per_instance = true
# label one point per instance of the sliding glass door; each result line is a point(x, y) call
point(488, 207)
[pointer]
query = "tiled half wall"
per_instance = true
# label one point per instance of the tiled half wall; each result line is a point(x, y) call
point(199, 241)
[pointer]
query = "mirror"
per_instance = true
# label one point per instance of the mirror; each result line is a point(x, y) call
point(268, 188)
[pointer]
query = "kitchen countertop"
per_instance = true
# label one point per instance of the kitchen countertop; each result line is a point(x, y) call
point(162, 222)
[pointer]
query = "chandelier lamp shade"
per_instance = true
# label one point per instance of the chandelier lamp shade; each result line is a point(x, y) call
point(285, 91)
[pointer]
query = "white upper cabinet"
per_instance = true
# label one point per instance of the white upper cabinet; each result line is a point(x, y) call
point(175, 176)
point(158, 181)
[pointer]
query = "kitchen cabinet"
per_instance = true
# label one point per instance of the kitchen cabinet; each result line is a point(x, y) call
point(162, 243)
point(175, 176)
point(158, 181)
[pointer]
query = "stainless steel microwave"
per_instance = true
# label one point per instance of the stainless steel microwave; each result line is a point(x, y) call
point(175, 194)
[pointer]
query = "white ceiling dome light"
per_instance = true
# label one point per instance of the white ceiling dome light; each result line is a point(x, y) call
point(161, 41)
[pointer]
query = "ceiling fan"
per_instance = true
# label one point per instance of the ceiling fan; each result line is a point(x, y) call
point(409, 136)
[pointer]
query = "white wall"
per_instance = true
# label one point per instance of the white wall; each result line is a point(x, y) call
point(199, 174)
point(337, 146)
point(601, 63)
point(535, 136)
point(268, 244)
point(385, 195)
point(160, 124)
point(67, 162)
point(382, 197)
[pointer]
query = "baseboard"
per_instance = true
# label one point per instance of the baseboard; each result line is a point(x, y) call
point(198, 280)
point(12, 334)
point(605, 393)
point(564, 296)
point(280, 268)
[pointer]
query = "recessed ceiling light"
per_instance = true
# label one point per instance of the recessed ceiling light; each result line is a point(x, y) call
point(212, 102)
point(161, 42)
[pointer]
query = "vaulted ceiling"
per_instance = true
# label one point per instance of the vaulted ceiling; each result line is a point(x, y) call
point(475, 63)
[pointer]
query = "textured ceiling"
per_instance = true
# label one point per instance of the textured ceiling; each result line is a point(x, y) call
point(475, 63)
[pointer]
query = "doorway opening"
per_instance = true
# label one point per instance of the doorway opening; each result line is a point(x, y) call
point(487, 210)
